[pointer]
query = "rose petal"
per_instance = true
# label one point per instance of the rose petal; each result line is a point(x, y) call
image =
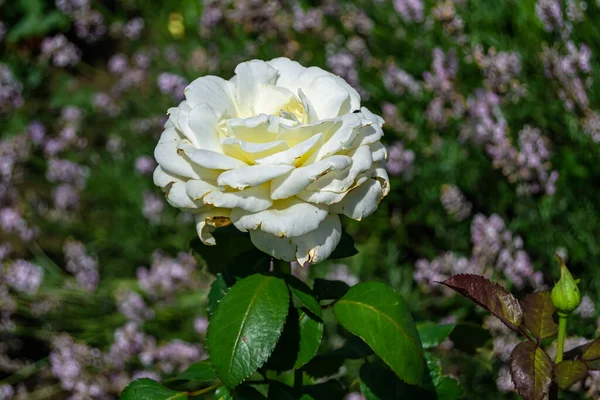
point(344, 180)
point(250, 152)
point(166, 155)
point(293, 156)
point(378, 152)
point(361, 201)
point(250, 77)
point(328, 97)
point(203, 121)
point(288, 70)
point(326, 198)
point(271, 100)
point(254, 175)
point(163, 179)
point(300, 178)
point(214, 218)
point(313, 247)
point(319, 244)
point(280, 248)
point(210, 159)
point(259, 129)
point(286, 218)
point(253, 199)
point(177, 196)
point(215, 91)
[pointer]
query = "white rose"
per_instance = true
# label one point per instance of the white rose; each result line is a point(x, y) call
point(278, 150)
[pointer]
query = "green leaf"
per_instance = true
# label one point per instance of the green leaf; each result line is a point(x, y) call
point(147, 389)
point(490, 296)
point(303, 295)
point(345, 247)
point(531, 371)
point(446, 387)
point(379, 316)
point(329, 290)
point(569, 372)
point(299, 341)
point(311, 333)
point(217, 291)
point(433, 334)
point(538, 312)
point(223, 393)
point(198, 372)
point(246, 326)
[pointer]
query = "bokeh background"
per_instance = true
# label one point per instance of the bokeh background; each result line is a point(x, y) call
point(493, 127)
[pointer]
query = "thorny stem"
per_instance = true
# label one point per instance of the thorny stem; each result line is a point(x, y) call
point(562, 333)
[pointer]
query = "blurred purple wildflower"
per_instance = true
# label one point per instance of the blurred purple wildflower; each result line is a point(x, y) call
point(410, 10)
point(172, 84)
point(81, 264)
point(200, 325)
point(551, 14)
point(399, 81)
point(22, 276)
point(455, 203)
point(145, 165)
point(167, 275)
point(62, 52)
point(10, 90)
point(400, 160)
point(132, 306)
point(153, 206)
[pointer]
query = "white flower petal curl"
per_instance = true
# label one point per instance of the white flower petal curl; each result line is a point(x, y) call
point(253, 175)
point(252, 199)
point(300, 178)
point(312, 247)
point(286, 218)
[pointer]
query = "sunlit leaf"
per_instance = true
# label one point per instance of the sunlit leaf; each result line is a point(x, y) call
point(246, 326)
point(379, 316)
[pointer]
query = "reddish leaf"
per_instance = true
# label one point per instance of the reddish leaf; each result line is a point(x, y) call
point(537, 315)
point(591, 351)
point(490, 296)
point(569, 372)
point(531, 371)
